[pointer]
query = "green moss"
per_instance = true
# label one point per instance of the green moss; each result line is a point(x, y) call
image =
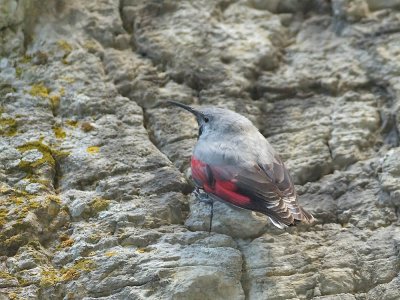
point(39, 90)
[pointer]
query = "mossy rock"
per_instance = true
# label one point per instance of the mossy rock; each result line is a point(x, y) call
point(6, 89)
point(39, 90)
point(8, 126)
point(52, 276)
point(48, 153)
point(95, 207)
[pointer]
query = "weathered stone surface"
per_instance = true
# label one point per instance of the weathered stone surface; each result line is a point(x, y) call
point(95, 167)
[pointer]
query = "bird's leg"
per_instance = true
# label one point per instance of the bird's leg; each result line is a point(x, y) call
point(211, 216)
point(203, 197)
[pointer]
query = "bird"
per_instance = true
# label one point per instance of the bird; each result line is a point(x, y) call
point(234, 163)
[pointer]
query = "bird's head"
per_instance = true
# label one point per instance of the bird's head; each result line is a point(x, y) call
point(213, 121)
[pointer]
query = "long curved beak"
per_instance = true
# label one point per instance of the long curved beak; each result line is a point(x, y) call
point(187, 107)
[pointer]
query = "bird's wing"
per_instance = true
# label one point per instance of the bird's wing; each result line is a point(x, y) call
point(266, 188)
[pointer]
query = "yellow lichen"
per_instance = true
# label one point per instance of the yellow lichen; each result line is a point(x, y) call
point(71, 123)
point(64, 45)
point(33, 204)
point(6, 89)
point(5, 275)
point(53, 198)
point(18, 72)
point(90, 45)
point(93, 149)
point(84, 265)
point(143, 250)
point(68, 79)
point(3, 216)
point(12, 296)
point(33, 178)
point(39, 90)
point(14, 241)
point(53, 205)
point(59, 132)
point(110, 253)
point(44, 149)
point(47, 152)
point(67, 243)
point(70, 275)
point(62, 91)
point(51, 276)
point(17, 200)
point(99, 205)
point(55, 102)
point(26, 59)
point(8, 127)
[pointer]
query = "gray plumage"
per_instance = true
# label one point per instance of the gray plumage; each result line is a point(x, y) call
point(233, 162)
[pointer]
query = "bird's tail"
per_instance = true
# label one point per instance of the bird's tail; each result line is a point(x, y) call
point(306, 216)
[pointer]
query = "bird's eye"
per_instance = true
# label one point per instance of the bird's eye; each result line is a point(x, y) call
point(206, 119)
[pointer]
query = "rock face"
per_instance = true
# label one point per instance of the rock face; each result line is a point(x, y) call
point(94, 167)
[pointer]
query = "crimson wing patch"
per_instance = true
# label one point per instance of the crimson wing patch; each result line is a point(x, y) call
point(267, 189)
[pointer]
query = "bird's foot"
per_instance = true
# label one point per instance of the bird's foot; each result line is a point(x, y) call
point(202, 197)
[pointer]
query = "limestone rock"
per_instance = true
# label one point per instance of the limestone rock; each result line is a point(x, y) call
point(95, 184)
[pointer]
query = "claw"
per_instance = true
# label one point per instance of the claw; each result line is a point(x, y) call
point(202, 197)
